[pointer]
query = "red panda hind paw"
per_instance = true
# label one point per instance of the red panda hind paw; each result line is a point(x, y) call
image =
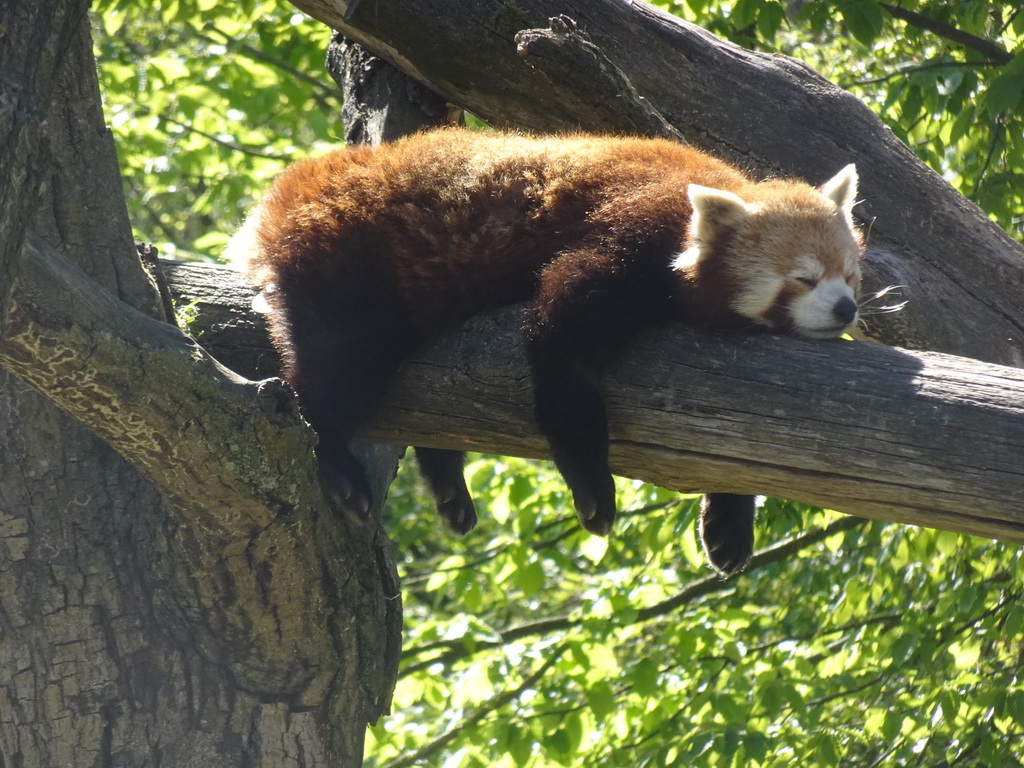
point(594, 517)
point(729, 556)
point(726, 531)
point(346, 495)
point(458, 512)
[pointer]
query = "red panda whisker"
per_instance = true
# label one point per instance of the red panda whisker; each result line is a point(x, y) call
point(883, 310)
point(866, 307)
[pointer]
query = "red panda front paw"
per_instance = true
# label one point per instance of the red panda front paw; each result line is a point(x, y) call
point(596, 511)
point(727, 531)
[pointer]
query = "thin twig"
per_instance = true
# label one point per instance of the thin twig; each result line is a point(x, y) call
point(909, 70)
point(232, 145)
point(487, 708)
point(987, 48)
point(455, 649)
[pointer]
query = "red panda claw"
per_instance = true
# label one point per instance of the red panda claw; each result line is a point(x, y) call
point(344, 496)
point(594, 519)
point(458, 513)
point(359, 504)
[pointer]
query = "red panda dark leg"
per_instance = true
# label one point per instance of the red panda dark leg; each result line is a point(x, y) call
point(336, 396)
point(569, 327)
point(443, 472)
point(571, 415)
point(727, 531)
point(344, 350)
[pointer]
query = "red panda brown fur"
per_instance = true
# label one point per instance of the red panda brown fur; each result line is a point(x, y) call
point(367, 253)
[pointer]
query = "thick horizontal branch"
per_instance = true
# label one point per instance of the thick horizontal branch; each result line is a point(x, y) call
point(630, 67)
point(919, 438)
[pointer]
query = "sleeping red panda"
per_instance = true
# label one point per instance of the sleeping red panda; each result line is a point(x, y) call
point(365, 254)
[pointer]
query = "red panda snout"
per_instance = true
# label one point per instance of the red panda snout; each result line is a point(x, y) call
point(826, 310)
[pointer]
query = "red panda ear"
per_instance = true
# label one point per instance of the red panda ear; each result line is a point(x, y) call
point(713, 211)
point(841, 189)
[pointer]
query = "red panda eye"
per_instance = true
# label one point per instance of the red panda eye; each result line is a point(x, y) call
point(810, 282)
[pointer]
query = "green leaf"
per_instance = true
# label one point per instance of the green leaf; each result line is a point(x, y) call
point(572, 726)
point(601, 699)
point(644, 677)
point(530, 578)
point(558, 741)
point(756, 746)
point(864, 19)
point(770, 19)
point(1015, 706)
point(744, 12)
point(961, 125)
point(1006, 92)
point(521, 750)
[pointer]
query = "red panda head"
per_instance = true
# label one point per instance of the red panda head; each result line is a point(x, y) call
point(786, 255)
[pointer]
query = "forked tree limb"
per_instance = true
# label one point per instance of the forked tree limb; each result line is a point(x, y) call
point(254, 548)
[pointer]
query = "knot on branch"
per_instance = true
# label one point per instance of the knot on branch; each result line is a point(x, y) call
point(277, 400)
point(566, 55)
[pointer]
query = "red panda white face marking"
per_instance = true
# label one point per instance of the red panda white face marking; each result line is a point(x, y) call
point(841, 189)
point(790, 253)
point(826, 310)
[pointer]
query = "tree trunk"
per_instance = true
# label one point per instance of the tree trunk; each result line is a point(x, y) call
point(89, 673)
point(245, 630)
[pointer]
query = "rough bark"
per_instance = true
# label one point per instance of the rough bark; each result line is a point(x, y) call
point(964, 277)
point(238, 623)
point(34, 38)
point(920, 438)
point(380, 103)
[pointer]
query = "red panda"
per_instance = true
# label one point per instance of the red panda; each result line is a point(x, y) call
point(365, 254)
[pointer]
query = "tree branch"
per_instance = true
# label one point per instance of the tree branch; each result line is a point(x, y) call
point(911, 69)
point(993, 51)
point(232, 145)
point(918, 438)
point(964, 276)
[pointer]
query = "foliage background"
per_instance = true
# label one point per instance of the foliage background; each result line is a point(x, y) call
point(529, 643)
